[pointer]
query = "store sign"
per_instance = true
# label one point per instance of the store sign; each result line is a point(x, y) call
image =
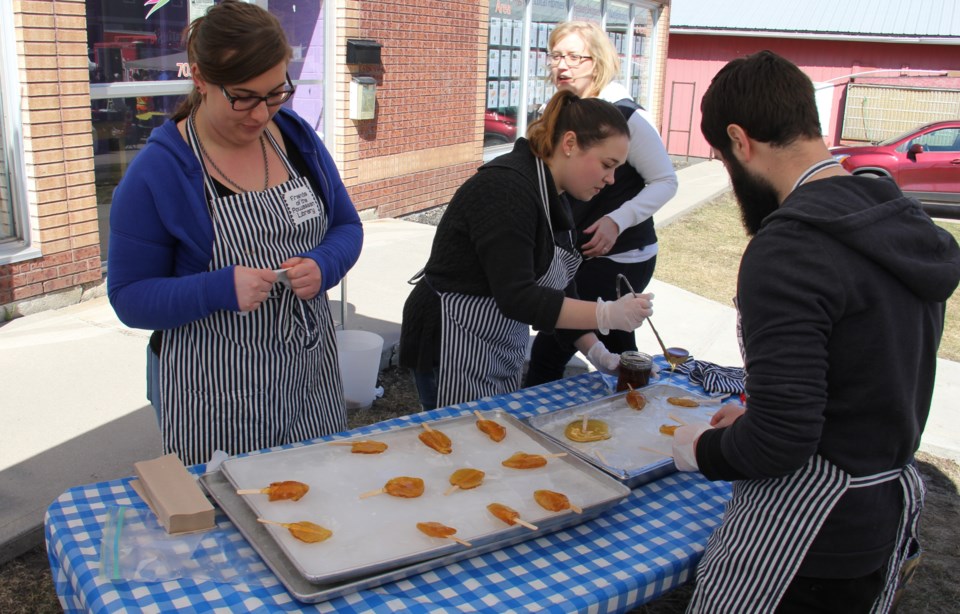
point(511, 8)
point(157, 5)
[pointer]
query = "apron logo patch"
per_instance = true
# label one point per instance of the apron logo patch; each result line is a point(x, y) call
point(302, 205)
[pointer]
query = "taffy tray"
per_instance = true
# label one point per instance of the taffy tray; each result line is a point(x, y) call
point(375, 539)
point(636, 452)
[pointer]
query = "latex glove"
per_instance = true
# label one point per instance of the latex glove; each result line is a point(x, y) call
point(626, 313)
point(602, 359)
point(685, 445)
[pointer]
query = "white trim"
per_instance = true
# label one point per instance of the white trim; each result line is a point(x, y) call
point(824, 36)
point(21, 248)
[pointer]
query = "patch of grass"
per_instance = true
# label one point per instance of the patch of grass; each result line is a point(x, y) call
point(701, 252)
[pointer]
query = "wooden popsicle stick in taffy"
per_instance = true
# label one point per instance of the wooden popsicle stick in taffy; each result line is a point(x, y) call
point(435, 529)
point(465, 479)
point(435, 439)
point(553, 501)
point(304, 530)
point(367, 446)
point(278, 491)
point(403, 486)
point(635, 399)
point(522, 460)
point(493, 430)
point(509, 515)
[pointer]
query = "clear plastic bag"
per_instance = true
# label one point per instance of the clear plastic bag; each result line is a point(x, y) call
point(136, 547)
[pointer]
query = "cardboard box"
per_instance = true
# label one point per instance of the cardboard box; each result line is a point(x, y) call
point(173, 495)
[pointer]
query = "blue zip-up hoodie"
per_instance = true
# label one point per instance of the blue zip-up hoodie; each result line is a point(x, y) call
point(161, 233)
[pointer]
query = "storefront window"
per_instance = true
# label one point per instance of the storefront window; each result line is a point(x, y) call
point(139, 74)
point(14, 237)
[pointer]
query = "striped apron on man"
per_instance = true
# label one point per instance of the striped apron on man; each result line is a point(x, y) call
point(769, 525)
point(481, 350)
point(244, 381)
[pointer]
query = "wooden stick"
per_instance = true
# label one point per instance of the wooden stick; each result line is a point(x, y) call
point(477, 413)
point(459, 541)
point(373, 493)
point(576, 509)
point(630, 387)
point(252, 491)
point(452, 489)
point(556, 455)
point(340, 443)
point(675, 419)
point(279, 524)
point(524, 523)
point(600, 456)
point(583, 425)
point(645, 448)
point(426, 427)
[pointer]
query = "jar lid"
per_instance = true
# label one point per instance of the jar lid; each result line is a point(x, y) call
point(635, 360)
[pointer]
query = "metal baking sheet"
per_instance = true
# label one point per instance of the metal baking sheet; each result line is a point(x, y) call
point(636, 452)
point(376, 538)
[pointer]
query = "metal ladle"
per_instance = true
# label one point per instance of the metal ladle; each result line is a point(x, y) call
point(674, 356)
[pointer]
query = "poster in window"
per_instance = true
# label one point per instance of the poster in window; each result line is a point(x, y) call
point(515, 63)
point(532, 67)
point(517, 33)
point(493, 93)
point(541, 86)
point(543, 67)
point(514, 93)
point(506, 32)
point(493, 63)
point(543, 33)
point(494, 30)
point(503, 97)
point(504, 62)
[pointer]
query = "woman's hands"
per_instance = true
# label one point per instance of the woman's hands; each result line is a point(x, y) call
point(626, 313)
point(304, 275)
point(605, 232)
point(253, 285)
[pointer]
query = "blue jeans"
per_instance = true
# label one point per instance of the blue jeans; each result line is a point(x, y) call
point(426, 382)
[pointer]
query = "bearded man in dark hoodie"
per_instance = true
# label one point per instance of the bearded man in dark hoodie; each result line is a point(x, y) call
point(841, 298)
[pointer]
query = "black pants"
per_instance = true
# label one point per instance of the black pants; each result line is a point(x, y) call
point(596, 277)
point(828, 595)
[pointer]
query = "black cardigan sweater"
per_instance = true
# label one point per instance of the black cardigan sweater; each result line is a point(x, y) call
point(493, 240)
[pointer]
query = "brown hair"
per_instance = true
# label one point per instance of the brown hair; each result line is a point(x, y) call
point(232, 43)
point(606, 62)
point(592, 120)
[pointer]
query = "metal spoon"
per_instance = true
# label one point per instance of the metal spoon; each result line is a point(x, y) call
point(674, 356)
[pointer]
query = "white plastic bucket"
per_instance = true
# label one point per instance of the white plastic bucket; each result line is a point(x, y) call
point(359, 354)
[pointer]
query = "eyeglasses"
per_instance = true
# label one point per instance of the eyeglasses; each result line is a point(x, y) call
point(275, 99)
point(573, 59)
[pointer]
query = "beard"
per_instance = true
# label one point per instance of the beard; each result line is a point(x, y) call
point(756, 196)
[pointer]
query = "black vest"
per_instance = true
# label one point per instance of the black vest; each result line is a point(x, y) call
point(627, 182)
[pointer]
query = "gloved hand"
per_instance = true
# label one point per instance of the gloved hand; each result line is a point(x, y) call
point(626, 313)
point(684, 445)
point(602, 359)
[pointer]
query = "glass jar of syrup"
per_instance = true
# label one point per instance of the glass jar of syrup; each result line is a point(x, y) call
point(635, 370)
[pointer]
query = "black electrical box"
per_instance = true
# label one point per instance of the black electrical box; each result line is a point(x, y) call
point(363, 51)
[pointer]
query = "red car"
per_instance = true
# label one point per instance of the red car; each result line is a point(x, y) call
point(498, 128)
point(924, 162)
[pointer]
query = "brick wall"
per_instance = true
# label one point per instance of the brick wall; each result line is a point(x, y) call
point(427, 136)
point(51, 48)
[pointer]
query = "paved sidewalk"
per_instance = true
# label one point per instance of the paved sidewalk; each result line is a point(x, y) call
point(74, 406)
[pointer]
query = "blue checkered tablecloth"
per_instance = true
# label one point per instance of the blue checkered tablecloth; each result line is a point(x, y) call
point(638, 550)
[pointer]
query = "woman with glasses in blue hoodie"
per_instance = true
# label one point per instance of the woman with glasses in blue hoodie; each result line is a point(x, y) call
point(226, 232)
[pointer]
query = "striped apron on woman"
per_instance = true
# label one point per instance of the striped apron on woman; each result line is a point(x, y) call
point(768, 527)
point(482, 351)
point(244, 381)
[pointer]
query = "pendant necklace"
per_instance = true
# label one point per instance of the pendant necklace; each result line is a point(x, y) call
point(263, 149)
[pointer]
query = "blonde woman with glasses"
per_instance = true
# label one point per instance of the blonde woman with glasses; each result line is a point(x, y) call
point(615, 229)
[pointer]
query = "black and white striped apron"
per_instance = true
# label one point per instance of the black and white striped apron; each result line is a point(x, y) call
point(244, 381)
point(481, 350)
point(769, 525)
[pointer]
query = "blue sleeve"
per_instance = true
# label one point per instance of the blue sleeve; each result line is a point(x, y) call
point(161, 241)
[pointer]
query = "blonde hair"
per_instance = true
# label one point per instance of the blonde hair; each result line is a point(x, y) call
point(606, 62)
